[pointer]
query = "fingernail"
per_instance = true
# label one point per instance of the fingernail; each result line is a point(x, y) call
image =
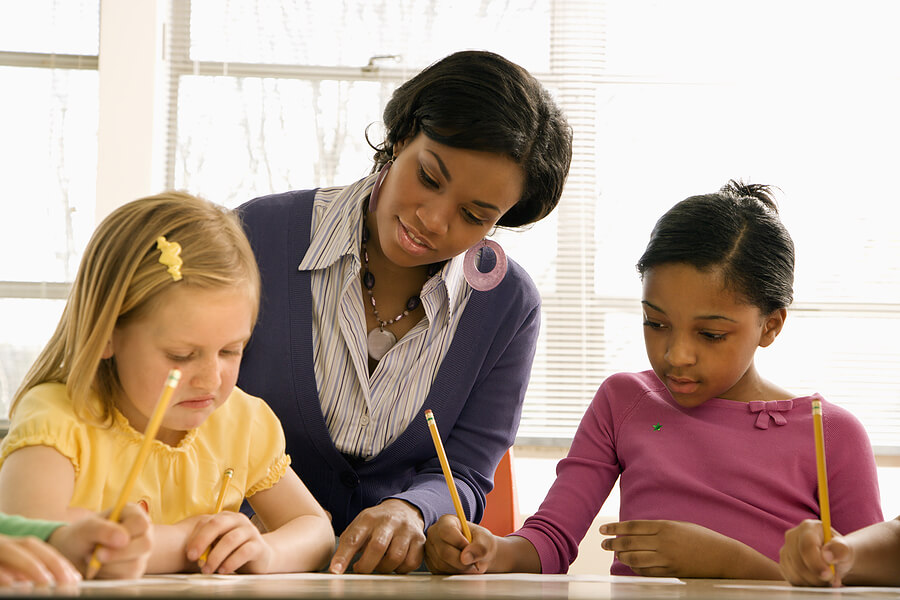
point(603, 529)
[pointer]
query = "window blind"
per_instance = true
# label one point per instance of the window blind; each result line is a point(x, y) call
point(667, 100)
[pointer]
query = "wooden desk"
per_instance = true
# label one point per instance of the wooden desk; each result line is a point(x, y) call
point(430, 587)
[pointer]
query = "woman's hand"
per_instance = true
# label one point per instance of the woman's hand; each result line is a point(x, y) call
point(390, 537)
point(805, 557)
point(680, 549)
point(124, 546)
point(235, 544)
point(448, 551)
point(28, 559)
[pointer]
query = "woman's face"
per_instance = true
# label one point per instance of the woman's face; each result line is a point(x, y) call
point(437, 201)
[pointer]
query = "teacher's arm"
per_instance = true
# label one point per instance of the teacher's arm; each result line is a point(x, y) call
point(477, 430)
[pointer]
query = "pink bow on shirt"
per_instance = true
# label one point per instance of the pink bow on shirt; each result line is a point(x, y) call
point(772, 409)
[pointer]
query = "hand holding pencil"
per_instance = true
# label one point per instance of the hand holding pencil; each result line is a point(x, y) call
point(226, 479)
point(138, 465)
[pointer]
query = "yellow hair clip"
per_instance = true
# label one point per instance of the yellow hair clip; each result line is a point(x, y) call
point(169, 256)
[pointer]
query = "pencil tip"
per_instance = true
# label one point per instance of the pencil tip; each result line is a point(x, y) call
point(92, 568)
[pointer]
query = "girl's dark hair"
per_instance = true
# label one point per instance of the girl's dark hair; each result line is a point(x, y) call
point(736, 230)
point(480, 101)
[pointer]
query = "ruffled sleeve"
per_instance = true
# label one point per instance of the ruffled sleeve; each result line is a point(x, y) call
point(45, 417)
point(268, 461)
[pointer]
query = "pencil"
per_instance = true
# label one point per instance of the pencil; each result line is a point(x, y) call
point(226, 477)
point(821, 473)
point(442, 456)
point(149, 435)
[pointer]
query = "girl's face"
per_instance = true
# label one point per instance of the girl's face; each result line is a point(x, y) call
point(701, 338)
point(202, 332)
point(437, 201)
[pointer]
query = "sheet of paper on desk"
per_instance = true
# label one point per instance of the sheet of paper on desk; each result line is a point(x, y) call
point(216, 579)
point(849, 591)
point(566, 578)
point(148, 580)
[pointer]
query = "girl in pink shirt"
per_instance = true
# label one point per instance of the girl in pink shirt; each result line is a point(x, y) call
point(714, 462)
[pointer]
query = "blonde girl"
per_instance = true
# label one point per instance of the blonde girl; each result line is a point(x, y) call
point(166, 281)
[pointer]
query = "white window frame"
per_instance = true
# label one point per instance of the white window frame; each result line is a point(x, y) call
point(134, 88)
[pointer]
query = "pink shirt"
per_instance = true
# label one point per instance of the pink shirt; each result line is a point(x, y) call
point(745, 470)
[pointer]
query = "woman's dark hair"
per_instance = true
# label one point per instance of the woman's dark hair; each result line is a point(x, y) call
point(736, 230)
point(480, 101)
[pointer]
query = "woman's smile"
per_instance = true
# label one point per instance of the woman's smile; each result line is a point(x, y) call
point(412, 241)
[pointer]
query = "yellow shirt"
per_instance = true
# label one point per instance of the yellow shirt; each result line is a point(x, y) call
point(176, 482)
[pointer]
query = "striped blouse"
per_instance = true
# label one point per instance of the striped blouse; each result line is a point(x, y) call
point(366, 413)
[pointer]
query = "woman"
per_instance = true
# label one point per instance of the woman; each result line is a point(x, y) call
point(368, 319)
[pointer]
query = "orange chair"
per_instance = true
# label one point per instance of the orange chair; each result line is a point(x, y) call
point(501, 510)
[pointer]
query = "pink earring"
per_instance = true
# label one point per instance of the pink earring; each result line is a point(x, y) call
point(376, 188)
point(485, 254)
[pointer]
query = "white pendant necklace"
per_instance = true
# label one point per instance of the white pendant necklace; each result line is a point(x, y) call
point(379, 340)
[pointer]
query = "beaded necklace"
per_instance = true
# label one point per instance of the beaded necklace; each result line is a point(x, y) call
point(379, 340)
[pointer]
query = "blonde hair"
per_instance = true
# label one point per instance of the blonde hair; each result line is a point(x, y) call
point(119, 278)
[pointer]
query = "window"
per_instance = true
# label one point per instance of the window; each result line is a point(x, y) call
point(294, 95)
point(48, 71)
point(668, 99)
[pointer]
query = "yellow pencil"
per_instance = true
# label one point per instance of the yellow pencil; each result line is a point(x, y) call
point(442, 456)
point(149, 435)
point(821, 473)
point(226, 477)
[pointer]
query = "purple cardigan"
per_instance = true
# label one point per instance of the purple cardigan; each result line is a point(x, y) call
point(476, 397)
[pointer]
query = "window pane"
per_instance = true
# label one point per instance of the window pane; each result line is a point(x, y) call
point(711, 40)
point(48, 163)
point(349, 32)
point(50, 26)
point(26, 324)
point(835, 354)
point(829, 148)
point(273, 135)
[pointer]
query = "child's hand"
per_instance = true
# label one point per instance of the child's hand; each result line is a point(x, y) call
point(124, 546)
point(448, 551)
point(28, 559)
point(236, 544)
point(680, 549)
point(805, 560)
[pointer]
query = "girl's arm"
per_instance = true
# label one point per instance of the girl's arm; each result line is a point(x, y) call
point(300, 531)
point(38, 482)
point(679, 549)
point(299, 538)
